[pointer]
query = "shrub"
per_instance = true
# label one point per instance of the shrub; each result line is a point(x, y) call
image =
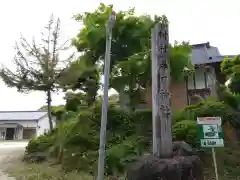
point(186, 130)
point(58, 112)
point(128, 136)
point(40, 144)
point(120, 155)
point(142, 122)
point(75, 159)
point(211, 108)
point(183, 114)
point(69, 115)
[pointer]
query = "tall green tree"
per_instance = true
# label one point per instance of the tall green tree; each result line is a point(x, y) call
point(38, 66)
point(130, 34)
point(231, 68)
point(131, 49)
point(80, 76)
point(134, 74)
point(75, 101)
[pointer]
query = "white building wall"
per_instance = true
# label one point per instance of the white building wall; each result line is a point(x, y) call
point(41, 125)
point(20, 133)
point(44, 126)
point(199, 79)
point(2, 133)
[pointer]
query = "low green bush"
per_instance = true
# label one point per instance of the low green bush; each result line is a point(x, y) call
point(58, 112)
point(40, 144)
point(186, 130)
point(129, 135)
point(75, 142)
point(120, 155)
point(210, 108)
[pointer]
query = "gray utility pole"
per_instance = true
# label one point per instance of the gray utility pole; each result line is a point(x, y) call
point(161, 96)
point(103, 130)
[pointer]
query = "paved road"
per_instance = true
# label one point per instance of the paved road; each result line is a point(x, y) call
point(9, 149)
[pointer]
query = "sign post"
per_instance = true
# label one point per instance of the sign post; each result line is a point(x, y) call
point(161, 97)
point(211, 135)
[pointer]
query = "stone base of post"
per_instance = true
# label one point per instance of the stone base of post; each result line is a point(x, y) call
point(183, 165)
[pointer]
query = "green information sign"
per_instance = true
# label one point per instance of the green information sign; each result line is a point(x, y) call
point(210, 132)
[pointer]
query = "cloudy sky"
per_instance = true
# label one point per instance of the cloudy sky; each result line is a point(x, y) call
point(216, 21)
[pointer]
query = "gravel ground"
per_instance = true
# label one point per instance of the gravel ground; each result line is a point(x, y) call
point(8, 151)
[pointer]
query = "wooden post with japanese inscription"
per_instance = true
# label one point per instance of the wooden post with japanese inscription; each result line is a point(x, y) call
point(161, 96)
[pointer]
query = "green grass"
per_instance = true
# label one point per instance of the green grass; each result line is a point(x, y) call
point(43, 171)
point(227, 160)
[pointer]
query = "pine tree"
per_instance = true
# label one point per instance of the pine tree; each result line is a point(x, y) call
point(38, 66)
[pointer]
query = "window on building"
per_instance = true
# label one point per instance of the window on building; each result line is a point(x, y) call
point(190, 82)
point(200, 78)
point(209, 79)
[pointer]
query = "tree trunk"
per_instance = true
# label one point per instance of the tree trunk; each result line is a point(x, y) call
point(49, 100)
point(123, 100)
point(60, 154)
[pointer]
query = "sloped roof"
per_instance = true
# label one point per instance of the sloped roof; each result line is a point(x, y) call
point(204, 54)
point(219, 58)
point(21, 115)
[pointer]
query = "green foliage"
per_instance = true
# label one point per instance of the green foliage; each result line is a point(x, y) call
point(130, 134)
point(186, 130)
point(231, 68)
point(210, 108)
point(113, 99)
point(180, 60)
point(76, 140)
point(134, 74)
point(227, 66)
point(119, 155)
point(226, 110)
point(76, 101)
point(234, 83)
point(58, 112)
point(41, 144)
point(180, 115)
point(130, 34)
point(228, 97)
point(81, 76)
point(229, 163)
point(38, 66)
point(131, 49)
